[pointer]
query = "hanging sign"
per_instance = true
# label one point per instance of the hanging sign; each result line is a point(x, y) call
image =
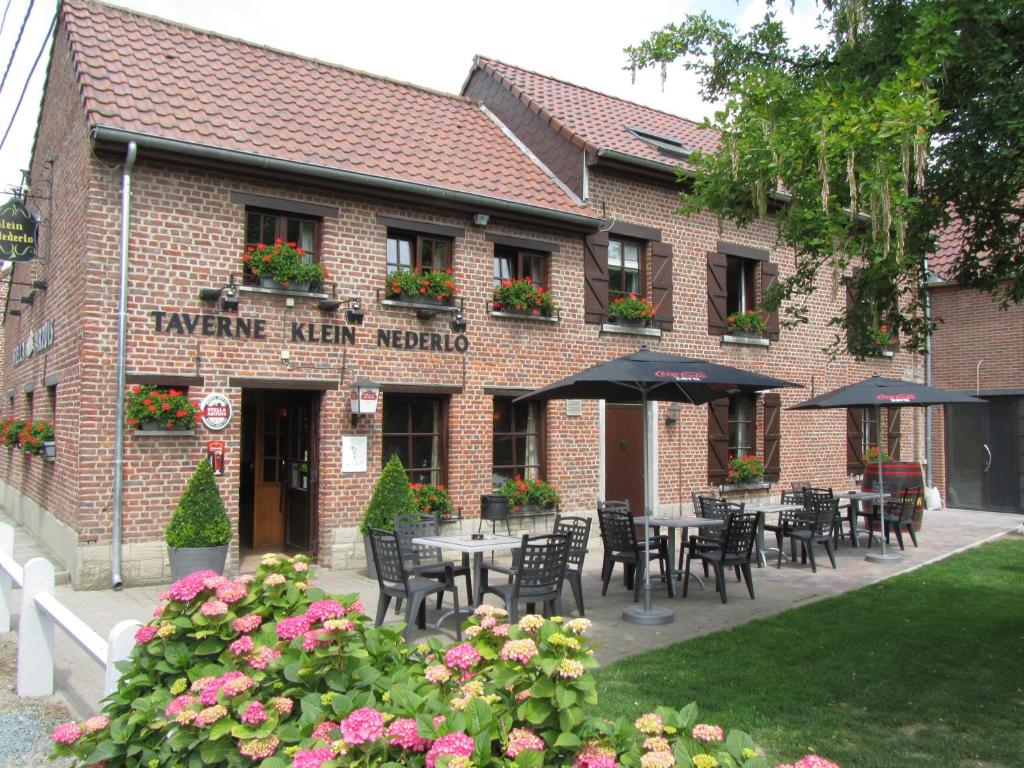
point(215, 454)
point(18, 230)
point(215, 411)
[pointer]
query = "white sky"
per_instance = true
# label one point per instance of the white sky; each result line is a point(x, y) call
point(428, 43)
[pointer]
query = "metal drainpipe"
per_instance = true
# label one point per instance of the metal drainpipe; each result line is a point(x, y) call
point(927, 377)
point(122, 333)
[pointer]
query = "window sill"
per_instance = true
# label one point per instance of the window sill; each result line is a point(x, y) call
point(520, 316)
point(283, 292)
point(884, 353)
point(424, 310)
point(764, 486)
point(631, 330)
point(164, 432)
point(746, 341)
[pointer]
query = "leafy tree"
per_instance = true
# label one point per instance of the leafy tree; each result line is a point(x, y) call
point(199, 519)
point(908, 121)
point(391, 496)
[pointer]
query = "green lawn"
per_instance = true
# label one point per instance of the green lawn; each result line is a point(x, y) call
point(925, 669)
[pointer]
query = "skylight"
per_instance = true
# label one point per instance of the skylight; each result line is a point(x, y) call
point(665, 144)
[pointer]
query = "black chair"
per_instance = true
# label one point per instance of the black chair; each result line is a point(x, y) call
point(900, 514)
point(827, 493)
point(712, 536)
point(424, 560)
point(578, 531)
point(396, 581)
point(618, 535)
point(779, 528)
point(816, 525)
point(538, 568)
point(494, 507)
point(735, 552)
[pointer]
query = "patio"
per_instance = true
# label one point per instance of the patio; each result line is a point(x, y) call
point(701, 613)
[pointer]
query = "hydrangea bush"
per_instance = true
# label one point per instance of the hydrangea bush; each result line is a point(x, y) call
point(269, 671)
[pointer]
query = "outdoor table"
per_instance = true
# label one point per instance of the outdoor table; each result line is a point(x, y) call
point(765, 510)
point(677, 522)
point(491, 542)
point(856, 497)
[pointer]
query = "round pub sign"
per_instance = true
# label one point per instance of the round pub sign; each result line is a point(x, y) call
point(215, 411)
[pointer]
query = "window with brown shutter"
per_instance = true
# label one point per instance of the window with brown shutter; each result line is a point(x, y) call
point(718, 440)
point(770, 276)
point(661, 284)
point(595, 277)
point(717, 293)
point(893, 419)
point(854, 441)
point(772, 436)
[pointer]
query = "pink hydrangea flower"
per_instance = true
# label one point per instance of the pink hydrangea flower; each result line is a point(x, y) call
point(213, 608)
point(455, 744)
point(325, 609)
point(247, 623)
point(404, 733)
point(258, 749)
point(814, 761)
point(570, 669)
point(323, 730)
point(210, 715)
point(523, 695)
point(178, 704)
point(215, 581)
point(340, 625)
point(145, 634)
point(705, 732)
point(502, 630)
point(461, 656)
point(201, 682)
point(274, 580)
point(439, 721)
point(519, 650)
point(66, 733)
point(208, 696)
point(357, 607)
point(231, 592)
point(95, 723)
point(262, 656)
point(282, 705)
point(365, 724)
point(254, 714)
point(300, 567)
point(657, 760)
point(595, 756)
point(186, 589)
point(657, 744)
point(311, 639)
point(312, 758)
point(651, 724)
point(241, 646)
point(289, 629)
point(522, 739)
point(437, 673)
point(234, 683)
point(246, 578)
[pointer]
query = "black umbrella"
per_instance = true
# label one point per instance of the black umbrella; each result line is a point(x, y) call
point(647, 375)
point(878, 391)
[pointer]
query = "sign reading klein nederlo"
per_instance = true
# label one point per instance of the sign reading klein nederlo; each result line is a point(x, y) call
point(18, 229)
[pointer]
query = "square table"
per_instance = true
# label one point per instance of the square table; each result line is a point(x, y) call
point(467, 545)
point(765, 510)
point(856, 497)
point(677, 522)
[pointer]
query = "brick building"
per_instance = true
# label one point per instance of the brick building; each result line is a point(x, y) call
point(521, 175)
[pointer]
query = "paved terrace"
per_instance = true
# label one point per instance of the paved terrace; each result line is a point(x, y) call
point(79, 680)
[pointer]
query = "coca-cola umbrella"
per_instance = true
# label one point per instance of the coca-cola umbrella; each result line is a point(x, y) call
point(876, 392)
point(643, 376)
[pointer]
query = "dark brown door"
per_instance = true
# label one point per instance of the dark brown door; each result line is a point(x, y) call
point(300, 477)
point(624, 455)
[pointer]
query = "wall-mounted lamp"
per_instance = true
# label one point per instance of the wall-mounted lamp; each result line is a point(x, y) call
point(15, 312)
point(458, 322)
point(210, 294)
point(354, 314)
point(481, 219)
point(365, 396)
point(328, 305)
point(28, 298)
point(229, 299)
point(672, 417)
point(40, 284)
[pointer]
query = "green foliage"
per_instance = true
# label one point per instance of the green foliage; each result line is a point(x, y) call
point(745, 469)
point(34, 434)
point(283, 262)
point(391, 496)
point(910, 117)
point(412, 284)
point(537, 492)
point(871, 455)
point(199, 519)
point(10, 431)
point(523, 296)
point(750, 321)
point(167, 407)
point(430, 498)
point(631, 307)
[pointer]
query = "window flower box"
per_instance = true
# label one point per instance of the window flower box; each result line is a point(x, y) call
point(412, 286)
point(749, 324)
point(761, 485)
point(10, 431)
point(281, 266)
point(154, 410)
point(33, 436)
point(632, 310)
point(522, 297)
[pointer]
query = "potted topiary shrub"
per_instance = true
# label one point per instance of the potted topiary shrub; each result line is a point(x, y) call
point(391, 496)
point(199, 531)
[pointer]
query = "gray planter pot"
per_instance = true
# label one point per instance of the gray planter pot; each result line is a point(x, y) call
point(371, 566)
point(269, 282)
point(186, 560)
point(630, 322)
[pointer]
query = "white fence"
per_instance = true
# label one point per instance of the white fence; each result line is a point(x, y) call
point(41, 612)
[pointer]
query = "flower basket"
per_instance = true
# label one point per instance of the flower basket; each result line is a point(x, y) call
point(151, 408)
point(746, 470)
point(283, 265)
point(749, 324)
point(34, 434)
point(535, 493)
point(412, 285)
point(432, 499)
point(631, 310)
point(10, 432)
point(522, 297)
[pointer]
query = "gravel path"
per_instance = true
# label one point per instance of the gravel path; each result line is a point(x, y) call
point(25, 724)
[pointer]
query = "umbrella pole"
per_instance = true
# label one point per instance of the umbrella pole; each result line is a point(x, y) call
point(884, 557)
point(647, 613)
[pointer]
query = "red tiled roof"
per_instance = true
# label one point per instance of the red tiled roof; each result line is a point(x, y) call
point(595, 119)
point(948, 248)
point(152, 76)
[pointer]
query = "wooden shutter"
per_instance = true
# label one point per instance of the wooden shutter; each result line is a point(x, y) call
point(595, 278)
point(717, 293)
point(718, 440)
point(769, 277)
point(661, 284)
point(854, 441)
point(772, 436)
point(893, 420)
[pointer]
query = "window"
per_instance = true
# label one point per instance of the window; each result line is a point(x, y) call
point(514, 264)
point(624, 269)
point(268, 226)
point(739, 276)
point(516, 441)
point(740, 285)
point(29, 405)
point(409, 251)
point(667, 145)
point(869, 430)
point(413, 430)
point(741, 426)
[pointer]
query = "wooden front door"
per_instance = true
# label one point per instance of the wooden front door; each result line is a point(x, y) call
point(300, 479)
point(624, 455)
point(268, 512)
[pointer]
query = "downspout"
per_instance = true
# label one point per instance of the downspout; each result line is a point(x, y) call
point(122, 334)
point(927, 376)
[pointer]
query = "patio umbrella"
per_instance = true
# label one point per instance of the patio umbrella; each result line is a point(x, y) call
point(878, 391)
point(643, 376)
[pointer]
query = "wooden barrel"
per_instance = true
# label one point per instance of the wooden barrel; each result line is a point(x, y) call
point(896, 476)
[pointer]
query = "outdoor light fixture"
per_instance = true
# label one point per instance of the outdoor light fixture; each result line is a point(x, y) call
point(673, 414)
point(365, 396)
point(354, 314)
point(458, 322)
point(40, 284)
point(329, 305)
point(481, 219)
point(28, 298)
point(210, 294)
point(229, 299)
point(15, 312)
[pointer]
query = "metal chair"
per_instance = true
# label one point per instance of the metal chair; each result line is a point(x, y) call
point(618, 534)
point(538, 568)
point(578, 531)
point(900, 514)
point(395, 581)
point(494, 507)
point(735, 551)
point(424, 560)
point(815, 526)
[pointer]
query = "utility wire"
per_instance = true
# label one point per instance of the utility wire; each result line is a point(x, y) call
point(3, 23)
point(16, 42)
point(28, 79)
